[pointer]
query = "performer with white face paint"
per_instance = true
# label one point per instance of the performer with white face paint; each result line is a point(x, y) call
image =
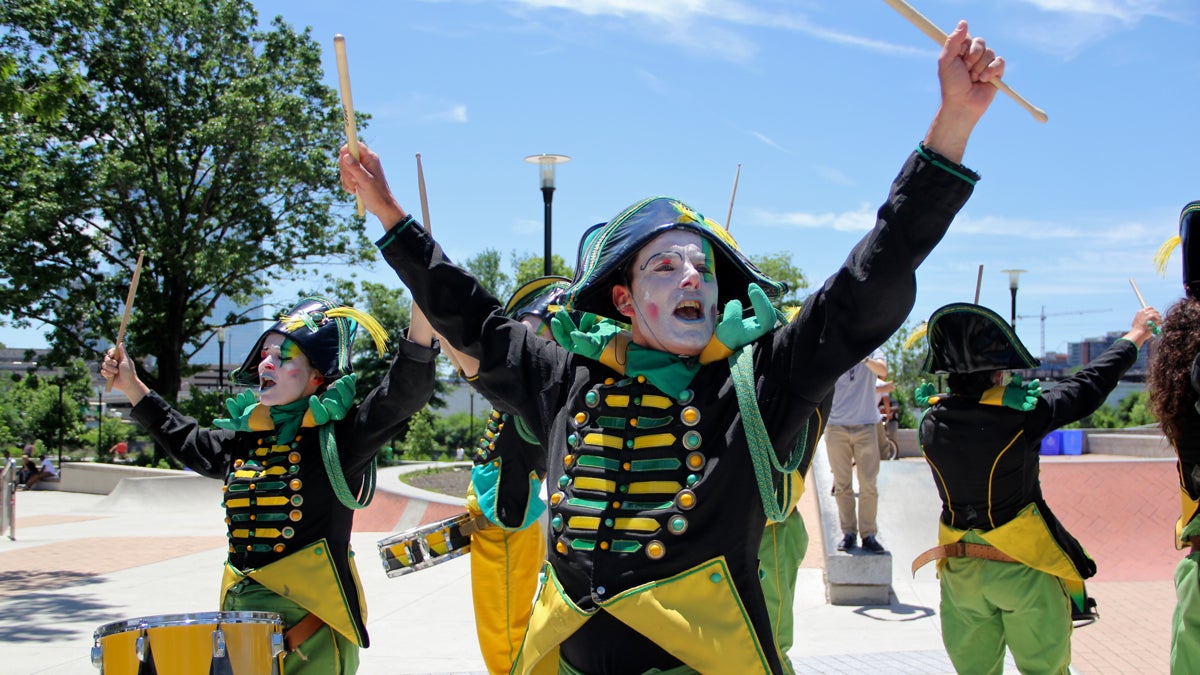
point(675, 307)
point(669, 450)
point(297, 460)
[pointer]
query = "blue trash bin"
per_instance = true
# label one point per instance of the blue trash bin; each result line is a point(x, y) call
point(1073, 441)
point(1052, 443)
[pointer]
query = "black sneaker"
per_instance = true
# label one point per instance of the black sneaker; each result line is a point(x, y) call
point(871, 544)
point(847, 542)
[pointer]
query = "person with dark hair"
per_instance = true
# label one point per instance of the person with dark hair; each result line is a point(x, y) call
point(670, 448)
point(1010, 573)
point(297, 457)
point(1174, 391)
point(40, 472)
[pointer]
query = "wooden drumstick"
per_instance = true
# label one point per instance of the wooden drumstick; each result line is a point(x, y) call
point(417, 313)
point(939, 36)
point(978, 284)
point(729, 216)
point(137, 273)
point(1136, 291)
point(339, 50)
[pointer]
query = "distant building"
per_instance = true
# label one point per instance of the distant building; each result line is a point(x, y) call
point(1056, 366)
point(238, 339)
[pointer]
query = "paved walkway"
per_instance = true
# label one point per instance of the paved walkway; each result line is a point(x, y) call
point(80, 561)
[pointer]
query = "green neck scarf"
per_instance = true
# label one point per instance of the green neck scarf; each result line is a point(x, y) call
point(669, 373)
point(287, 419)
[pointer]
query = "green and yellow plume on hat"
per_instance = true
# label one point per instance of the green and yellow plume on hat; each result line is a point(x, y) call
point(291, 323)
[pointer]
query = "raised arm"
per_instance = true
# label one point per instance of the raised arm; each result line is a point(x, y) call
point(966, 68)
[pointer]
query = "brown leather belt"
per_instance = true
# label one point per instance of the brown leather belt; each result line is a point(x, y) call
point(304, 629)
point(960, 549)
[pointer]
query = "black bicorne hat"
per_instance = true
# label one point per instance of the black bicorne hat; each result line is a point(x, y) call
point(1190, 242)
point(324, 330)
point(968, 338)
point(607, 249)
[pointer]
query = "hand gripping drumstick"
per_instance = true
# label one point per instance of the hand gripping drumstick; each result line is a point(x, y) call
point(937, 35)
point(137, 273)
point(339, 49)
point(1136, 291)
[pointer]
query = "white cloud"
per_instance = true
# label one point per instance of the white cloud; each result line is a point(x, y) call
point(697, 24)
point(525, 226)
point(423, 108)
point(767, 140)
point(860, 220)
point(1126, 11)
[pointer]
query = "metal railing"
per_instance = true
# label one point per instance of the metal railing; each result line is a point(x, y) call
point(8, 505)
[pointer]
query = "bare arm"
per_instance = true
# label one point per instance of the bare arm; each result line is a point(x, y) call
point(877, 366)
point(966, 68)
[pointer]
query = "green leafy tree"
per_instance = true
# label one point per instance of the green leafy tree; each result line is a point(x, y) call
point(485, 265)
point(530, 267)
point(196, 136)
point(460, 430)
point(1131, 411)
point(904, 369)
point(779, 266)
point(421, 440)
point(40, 406)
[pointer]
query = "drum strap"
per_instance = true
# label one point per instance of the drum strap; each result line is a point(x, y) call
point(296, 635)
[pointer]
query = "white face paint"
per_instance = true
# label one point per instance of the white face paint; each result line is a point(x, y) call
point(284, 374)
point(672, 294)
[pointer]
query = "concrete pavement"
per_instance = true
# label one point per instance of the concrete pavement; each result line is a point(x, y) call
point(80, 561)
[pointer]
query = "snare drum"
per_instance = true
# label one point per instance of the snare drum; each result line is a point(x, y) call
point(245, 643)
point(429, 545)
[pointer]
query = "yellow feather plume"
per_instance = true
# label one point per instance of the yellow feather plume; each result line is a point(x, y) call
point(1164, 254)
point(917, 335)
point(376, 330)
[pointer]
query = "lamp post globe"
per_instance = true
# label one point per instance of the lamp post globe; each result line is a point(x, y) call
point(546, 169)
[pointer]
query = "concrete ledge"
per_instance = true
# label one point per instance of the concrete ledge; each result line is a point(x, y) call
point(100, 479)
point(855, 577)
point(1129, 443)
point(906, 443)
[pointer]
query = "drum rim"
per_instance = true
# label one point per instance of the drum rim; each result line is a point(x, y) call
point(420, 530)
point(188, 619)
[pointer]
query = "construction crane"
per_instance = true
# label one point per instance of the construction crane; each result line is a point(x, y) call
point(1043, 316)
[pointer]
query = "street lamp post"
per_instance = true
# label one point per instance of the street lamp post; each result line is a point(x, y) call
point(99, 421)
point(546, 164)
point(221, 359)
point(1013, 280)
point(59, 381)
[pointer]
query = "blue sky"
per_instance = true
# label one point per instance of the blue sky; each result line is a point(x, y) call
point(819, 101)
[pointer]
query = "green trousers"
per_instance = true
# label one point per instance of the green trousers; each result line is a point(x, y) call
point(1185, 626)
point(327, 652)
point(987, 605)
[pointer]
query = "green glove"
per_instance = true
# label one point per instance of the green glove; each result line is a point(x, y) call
point(239, 408)
point(1021, 396)
point(588, 339)
point(923, 393)
point(735, 332)
point(335, 402)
